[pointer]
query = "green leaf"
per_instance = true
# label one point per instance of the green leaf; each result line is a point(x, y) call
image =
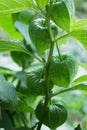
point(83, 65)
point(6, 121)
point(21, 59)
point(7, 91)
point(24, 16)
point(62, 40)
point(78, 127)
point(80, 35)
point(22, 21)
point(21, 75)
point(71, 7)
point(7, 72)
point(80, 79)
point(6, 24)
point(13, 6)
point(23, 128)
point(21, 107)
point(42, 3)
point(23, 29)
point(80, 25)
point(2, 79)
point(11, 45)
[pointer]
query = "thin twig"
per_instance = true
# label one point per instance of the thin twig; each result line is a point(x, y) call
point(58, 51)
point(64, 36)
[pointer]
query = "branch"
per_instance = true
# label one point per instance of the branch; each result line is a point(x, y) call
point(58, 38)
point(47, 66)
point(63, 90)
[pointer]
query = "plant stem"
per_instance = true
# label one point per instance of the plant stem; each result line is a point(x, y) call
point(59, 52)
point(0, 113)
point(23, 63)
point(64, 36)
point(20, 117)
point(63, 90)
point(47, 66)
point(30, 54)
point(35, 56)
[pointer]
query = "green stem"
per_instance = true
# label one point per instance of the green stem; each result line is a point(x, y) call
point(23, 63)
point(0, 113)
point(47, 66)
point(64, 36)
point(47, 87)
point(35, 56)
point(63, 90)
point(30, 54)
point(59, 52)
point(20, 117)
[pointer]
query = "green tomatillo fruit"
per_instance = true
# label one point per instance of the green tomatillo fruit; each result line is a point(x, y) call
point(62, 72)
point(55, 114)
point(62, 12)
point(36, 83)
point(39, 34)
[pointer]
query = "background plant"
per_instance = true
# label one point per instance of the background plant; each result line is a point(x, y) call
point(18, 104)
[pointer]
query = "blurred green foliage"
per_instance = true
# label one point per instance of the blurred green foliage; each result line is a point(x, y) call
point(76, 103)
point(81, 8)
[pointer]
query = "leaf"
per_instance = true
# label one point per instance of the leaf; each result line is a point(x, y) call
point(13, 6)
point(80, 35)
point(21, 107)
point(78, 127)
point(21, 59)
point(42, 3)
point(71, 7)
point(62, 40)
point(21, 75)
point(6, 121)
point(80, 79)
point(80, 25)
point(22, 21)
point(7, 91)
point(6, 71)
point(6, 24)
point(23, 29)
point(24, 16)
point(23, 128)
point(2, 79)
point(11, 45)
point(83, 65)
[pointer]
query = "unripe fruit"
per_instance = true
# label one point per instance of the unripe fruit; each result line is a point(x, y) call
point(62, 13)
point(39, 34)
point(55, 115)
point(36, 83)
point(62, 72)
